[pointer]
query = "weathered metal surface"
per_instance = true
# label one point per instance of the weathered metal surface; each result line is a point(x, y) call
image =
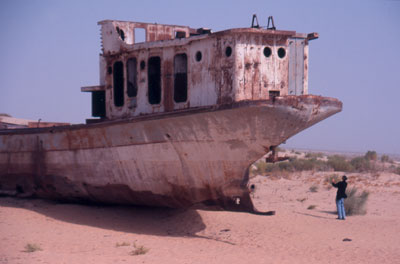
point(216, 78)
point(8, 122)
point(125, 32)
point(173, 153)
point(175, 160)
point(296, 66)
point(93, 88)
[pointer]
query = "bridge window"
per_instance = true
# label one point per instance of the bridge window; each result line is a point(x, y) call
point(180, 34)
point(140, 35)
point(228, 51)
point(118, 81)
point(121, 33)
point(142, 65)
point(154, 80)
point(132, 77)
point(180, 78)
point(198, 56)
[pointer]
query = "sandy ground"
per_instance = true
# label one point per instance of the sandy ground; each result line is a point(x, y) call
point(69, 233)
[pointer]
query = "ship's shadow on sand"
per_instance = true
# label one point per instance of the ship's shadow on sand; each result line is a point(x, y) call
point(128, 219)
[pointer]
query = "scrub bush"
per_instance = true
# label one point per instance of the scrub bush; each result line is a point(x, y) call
point(355, 204)
point(339, 163)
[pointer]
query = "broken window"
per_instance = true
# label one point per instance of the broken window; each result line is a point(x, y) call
point(198, 56)
point(98, 104)
point(180, 34)
point(118, 81)
point(121, 33)
point(274, 93)
point(228, 51)
point(132, 77)
point(180, 78)
point(154, 80)
point(140, 35)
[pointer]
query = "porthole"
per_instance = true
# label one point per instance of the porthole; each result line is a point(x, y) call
point(198, 56)
point(267, 52)
point(142, 65)
point(228, 51)
point(281, 53)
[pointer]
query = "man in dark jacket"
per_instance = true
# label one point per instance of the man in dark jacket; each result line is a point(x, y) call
point(340, 196)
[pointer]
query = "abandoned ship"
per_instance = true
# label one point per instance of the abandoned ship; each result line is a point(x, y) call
point(179, 119)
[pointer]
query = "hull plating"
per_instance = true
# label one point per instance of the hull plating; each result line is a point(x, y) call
point(173, 160)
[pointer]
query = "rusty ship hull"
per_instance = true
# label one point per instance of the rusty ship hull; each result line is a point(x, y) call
point(180, 159)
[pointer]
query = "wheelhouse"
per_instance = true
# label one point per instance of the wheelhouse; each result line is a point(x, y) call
point(170, 68)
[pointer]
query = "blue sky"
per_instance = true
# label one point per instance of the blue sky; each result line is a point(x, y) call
point(49, 49)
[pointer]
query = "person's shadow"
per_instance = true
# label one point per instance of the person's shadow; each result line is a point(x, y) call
point(328, 212)
point(128, 219)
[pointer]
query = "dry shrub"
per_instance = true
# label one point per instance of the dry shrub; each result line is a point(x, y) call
point(394, 169)
point(328, 180)
point(309, 164)
point(355, 204)
point(30, 247)
point(258, 168)
point(123, 244)
point(294, 164)
point(310, 155)
point(362, 164)
point(385, 158)
point(314, 188)
point(139, 250)
point(371, 155)
point(301, 200)
point(339, 163)
point(313, 162)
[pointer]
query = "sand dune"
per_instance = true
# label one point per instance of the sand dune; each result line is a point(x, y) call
point(69, 233)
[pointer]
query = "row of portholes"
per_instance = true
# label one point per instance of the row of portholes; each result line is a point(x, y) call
point(268, 52)
point(228, 53)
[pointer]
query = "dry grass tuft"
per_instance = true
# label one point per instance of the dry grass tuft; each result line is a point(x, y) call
point(314, 188)
point(301, 200)
point(123, 244)
point(139, 250)
point(31, 247)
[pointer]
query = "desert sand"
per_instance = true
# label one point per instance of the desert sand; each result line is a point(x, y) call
point(71, 233)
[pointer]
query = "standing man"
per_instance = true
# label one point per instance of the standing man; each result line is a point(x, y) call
point(340, 196)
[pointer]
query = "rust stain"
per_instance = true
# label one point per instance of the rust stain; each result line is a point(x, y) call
point(168, 85)
point(170, 154)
